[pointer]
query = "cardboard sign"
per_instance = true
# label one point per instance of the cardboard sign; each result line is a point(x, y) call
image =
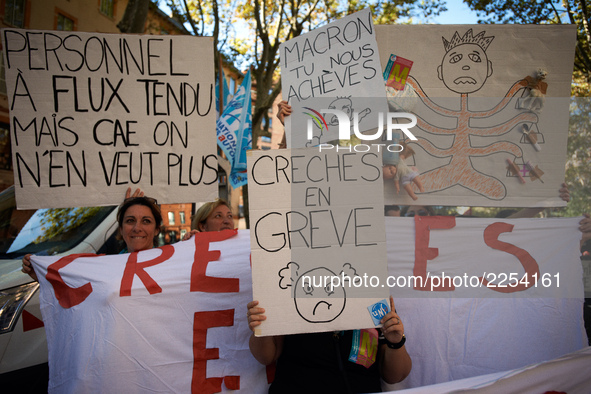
point(326, 224)
point(92, 114)
point(336, 67)
point(491, 128)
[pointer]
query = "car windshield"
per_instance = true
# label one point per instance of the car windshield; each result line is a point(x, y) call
point(44, 231)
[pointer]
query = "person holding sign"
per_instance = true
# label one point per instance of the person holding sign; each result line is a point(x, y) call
point(212, 216)
point(330, 361)
point(139, 220)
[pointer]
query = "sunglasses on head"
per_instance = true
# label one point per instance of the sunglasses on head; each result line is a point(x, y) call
point(148, 199)
point(421, 212)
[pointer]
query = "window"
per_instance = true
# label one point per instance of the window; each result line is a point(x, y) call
point(14, 13)
point(182, 218)
point(107, 7)
point(2, 75)
point(183, 232)
point(170, 217)
point(267, 120)
point(232, 86)
point(64, 23)
point(5, 148)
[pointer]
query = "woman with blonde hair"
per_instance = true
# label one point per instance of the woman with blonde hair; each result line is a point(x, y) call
point(212, 216)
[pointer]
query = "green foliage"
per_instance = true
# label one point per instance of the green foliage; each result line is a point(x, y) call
point(59, 221)
point(577, 12)
point(249, 33)
point(578, 165)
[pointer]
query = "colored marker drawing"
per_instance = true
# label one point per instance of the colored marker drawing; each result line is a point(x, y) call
point(464, 69)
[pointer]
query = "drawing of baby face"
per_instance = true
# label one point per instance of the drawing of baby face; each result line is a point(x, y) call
point(465, 68)
point(342, 104)
point(321, 304)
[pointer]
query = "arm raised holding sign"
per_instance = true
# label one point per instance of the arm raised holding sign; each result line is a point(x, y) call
point(325, 360)
point(139, 220)
point(395, 363)
point(265, 349)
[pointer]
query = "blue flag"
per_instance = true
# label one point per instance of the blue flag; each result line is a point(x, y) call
point(225, 94)
point(234, 131)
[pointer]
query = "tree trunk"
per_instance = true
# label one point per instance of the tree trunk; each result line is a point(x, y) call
point(134, 18)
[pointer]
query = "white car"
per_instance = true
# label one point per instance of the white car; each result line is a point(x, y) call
point(23, 346)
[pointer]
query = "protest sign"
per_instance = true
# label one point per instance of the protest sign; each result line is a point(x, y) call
point(482, 327)
point(174, 318)
point(92, 114)
point(335, 67)
point(492, 108)
point(326, 223)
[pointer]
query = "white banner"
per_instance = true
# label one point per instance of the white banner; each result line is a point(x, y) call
point(174, 318)
point(566, 374)
point(92, 114)
point(171, 319)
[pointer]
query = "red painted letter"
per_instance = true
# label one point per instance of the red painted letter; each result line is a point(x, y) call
point(199, 280)
point(66, 295)
point(200, 382)
point(134, 268)
point(491, 238)
point(423, 225)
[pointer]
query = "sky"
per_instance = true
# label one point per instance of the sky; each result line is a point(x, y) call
point(457, 13)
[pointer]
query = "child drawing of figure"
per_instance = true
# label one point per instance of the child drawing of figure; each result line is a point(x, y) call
point(464, 69)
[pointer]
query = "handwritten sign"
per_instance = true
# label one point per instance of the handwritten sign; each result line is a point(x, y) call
point(325, 226)
point(92, 114)
point(492, 122)
point(337, 61)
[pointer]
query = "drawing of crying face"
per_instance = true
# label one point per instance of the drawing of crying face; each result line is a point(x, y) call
point(465, 68)
point(317, 303)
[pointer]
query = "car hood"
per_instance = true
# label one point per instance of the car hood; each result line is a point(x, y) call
point(11, 274)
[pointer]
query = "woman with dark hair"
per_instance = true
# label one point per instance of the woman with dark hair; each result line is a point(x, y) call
point(139, 220)
point(417, 210)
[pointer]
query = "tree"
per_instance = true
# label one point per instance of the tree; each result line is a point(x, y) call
point(266, 24)
point(134, 18)
point(578, 12)
point(578, 165)
point(59, 222)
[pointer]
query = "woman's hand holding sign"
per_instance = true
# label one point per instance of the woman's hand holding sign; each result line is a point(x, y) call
point(395, 363)
point(392, 326)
